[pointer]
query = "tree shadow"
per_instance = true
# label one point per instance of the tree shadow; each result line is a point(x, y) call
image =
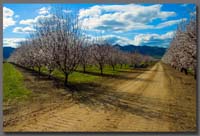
point(125, 71)
point(99, 96)
point(96, 97)
point(118, 76)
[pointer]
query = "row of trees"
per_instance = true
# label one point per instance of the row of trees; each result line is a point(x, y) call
point(59, 43)
point(182, 53)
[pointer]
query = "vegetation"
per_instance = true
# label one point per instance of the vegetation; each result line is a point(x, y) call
point(13, 81)
point(13, 85)
point(182, 53)
point(64, 47)
point(89, 74)
point(75, 77)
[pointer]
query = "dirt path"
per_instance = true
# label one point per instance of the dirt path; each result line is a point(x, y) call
point(159, 99)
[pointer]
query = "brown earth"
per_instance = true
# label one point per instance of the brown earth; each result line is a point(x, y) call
point(159, 99)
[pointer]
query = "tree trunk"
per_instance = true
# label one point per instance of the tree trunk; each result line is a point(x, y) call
point(39, 70)
point(113, 67)
point(66, 79)
point(101, 69)
point(50, 71)
point(184, 70)
point(121, 66)
point(84, 68)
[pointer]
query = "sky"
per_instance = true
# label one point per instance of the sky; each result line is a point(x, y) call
point(137, 24)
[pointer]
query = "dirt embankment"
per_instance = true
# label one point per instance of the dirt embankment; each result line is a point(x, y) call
point(158, 99)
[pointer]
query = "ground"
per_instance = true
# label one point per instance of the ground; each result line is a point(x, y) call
point(158, 99)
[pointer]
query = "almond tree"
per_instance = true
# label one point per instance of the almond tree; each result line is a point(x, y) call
point(182, 53)
point(86, 55)
point(113, 56)
point(23, 55)
point(136, 59)
point(100, 51)
point(68, 41)
point(36, 47)
point(46, 32)
point(124, 59)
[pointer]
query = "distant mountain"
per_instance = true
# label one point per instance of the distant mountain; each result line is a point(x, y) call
point(7, 51)
point(156, 52)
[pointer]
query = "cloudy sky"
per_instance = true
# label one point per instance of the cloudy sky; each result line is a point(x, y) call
point(137, 24)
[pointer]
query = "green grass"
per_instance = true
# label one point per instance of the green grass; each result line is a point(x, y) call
point(13, 86)
point(94, 69)
point(13, 81)
point(92, 73)
point(80, 77)
point(191, 71)
point(106, 70)
point(76, 77)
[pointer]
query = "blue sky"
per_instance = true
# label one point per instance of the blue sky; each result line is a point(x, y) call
point(138, 24)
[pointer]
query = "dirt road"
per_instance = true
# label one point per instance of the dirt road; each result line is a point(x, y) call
point(160, 99)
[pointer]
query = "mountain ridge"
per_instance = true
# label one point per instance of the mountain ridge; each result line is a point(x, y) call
point(7, 51)
point(156, 52)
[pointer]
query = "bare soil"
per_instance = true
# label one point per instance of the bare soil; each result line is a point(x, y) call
point(159, 99)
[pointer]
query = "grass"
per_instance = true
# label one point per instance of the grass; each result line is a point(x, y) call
point(13, 81)
point(106, 70)
point(13, 86)
point(191, 71)
point(80, 77)
point(76, 77)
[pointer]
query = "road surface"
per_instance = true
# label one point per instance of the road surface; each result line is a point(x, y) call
point(158, 100)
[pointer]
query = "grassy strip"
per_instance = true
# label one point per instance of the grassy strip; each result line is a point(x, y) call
point(92, 73)
point(76, 77)
point(13, 86)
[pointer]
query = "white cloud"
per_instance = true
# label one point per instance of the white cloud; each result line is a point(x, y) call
point(114, 39)
point(12, 42)
point(27, 22)
point(184, 5)
point(154, 39)
point(44, 10)
point(193, 13)
point(8, 17)
point(30, 23)
point(67, 11)
point(16, 16)
point(167, 35)
point(91, 12)
point(170, 23)
point(34, 20)
point(27, 29)
point(120, 18)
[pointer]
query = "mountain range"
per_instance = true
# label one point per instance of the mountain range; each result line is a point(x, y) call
point(156, 52)
point(7, 51)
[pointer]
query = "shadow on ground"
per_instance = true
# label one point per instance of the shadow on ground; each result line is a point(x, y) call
point(98, 96)
point(119, 76)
